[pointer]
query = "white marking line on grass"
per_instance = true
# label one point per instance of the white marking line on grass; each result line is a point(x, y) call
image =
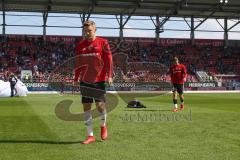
point(116, 92)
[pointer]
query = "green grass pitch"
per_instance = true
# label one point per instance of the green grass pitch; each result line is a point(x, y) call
point(208, 129)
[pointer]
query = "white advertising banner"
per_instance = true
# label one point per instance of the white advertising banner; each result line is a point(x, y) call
point(20, 89)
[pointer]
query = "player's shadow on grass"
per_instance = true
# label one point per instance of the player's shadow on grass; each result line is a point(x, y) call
point(148, 110)
point(22, 119)
point(40, 141)
point(43, 142)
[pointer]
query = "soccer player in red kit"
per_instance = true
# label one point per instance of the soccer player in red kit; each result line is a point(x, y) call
point(178, 73)
point(94, 61)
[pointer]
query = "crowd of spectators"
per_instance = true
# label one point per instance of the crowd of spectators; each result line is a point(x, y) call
point(33, 53)
point(136, 60)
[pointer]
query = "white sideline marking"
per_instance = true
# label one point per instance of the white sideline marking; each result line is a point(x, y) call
point(115, 92)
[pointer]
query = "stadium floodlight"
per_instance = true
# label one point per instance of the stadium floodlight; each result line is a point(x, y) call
point(223, 1)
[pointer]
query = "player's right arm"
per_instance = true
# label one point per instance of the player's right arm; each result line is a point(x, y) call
point(76, 76)
point(76, 67)
point(170, 73)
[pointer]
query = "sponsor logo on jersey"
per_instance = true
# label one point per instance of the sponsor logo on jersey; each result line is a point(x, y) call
point(89, 54)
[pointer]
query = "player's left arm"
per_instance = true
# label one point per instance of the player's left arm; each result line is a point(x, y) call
point(184, 69)
point(108, 62)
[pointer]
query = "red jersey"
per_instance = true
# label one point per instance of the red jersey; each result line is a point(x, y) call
point(178, 73)
point(93, 61)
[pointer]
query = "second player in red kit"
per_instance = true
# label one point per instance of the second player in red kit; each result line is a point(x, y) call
point(178, 73)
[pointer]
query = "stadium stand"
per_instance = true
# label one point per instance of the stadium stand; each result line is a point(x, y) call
point(203, 63)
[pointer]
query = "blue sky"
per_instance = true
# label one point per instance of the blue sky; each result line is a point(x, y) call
point(74, 21)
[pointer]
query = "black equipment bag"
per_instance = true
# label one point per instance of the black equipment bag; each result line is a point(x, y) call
point(135, 104)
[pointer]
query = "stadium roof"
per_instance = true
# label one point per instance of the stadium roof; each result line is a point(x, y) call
point(176, 8)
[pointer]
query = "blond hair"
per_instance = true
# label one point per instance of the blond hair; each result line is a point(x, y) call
point(89, 23)
point(175, 59)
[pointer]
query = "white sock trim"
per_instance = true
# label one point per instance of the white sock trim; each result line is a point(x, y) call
point(88, 122)
point(103, 118)
point(175, 106)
